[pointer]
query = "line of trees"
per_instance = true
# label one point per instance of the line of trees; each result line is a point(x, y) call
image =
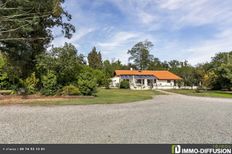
point(58, 71)
point(216, 74)
point(63, 70)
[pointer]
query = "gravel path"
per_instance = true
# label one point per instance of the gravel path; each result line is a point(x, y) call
point(164, 119)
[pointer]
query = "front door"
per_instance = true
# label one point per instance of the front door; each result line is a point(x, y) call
point(150, 83)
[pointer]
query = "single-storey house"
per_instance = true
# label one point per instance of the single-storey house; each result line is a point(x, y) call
point(146, 79)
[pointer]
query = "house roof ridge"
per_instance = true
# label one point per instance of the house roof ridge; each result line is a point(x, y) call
point(160, 74)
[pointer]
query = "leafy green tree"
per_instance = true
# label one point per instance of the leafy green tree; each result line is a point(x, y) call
point(106, 81)
point(221, 66)
point(95, 59)
point(87, 84)
point(156, 64)
point(140, 54)
point(4, 82)
point(25, 29)
point(221, 58)
point(30, 83)
point(49, 82)
point(9, 75)
point(187, 73)
point(165, 65)
point(117, 65)
point(132, 66)
point(108, 68)
point(98, 74)
point(224, 74)
point(64, 61)
point(210, 80)
point(67, 63)
point(217, 73)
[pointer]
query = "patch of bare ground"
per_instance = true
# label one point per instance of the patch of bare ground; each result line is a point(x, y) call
point(18, 99)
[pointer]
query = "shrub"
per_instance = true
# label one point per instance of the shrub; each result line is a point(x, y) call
point(4, 80)
point(98, 74)
point(124, 84)
point(106, 82)
point(30, 84)
point(100, 77)
point(87, 84)
point(49, 83)
point(200, 89)
point(70, 90)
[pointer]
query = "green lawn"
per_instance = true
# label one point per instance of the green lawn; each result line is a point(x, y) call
point(104, 96)
point(209, 93)
point(111, 96)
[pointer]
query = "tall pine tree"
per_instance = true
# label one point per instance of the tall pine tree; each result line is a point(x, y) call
point(95, 59)
point(25, 29)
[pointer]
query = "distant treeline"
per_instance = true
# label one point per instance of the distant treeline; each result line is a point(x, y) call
point(64, 66)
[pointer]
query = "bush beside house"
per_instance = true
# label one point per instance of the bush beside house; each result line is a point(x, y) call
point(124, 84)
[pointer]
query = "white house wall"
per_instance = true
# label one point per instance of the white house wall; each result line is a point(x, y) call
point(144, 87)
point(160, 84)
point(164, 83)
point(115, 81)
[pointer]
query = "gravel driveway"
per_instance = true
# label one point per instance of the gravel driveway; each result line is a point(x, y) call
point(164, 119)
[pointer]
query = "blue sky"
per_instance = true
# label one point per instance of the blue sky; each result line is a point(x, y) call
point(192, 30)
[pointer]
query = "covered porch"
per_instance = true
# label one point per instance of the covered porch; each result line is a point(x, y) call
point(140, 82)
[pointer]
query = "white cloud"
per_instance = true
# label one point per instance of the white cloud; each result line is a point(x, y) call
point(173, 4)
point(146, 18)
point(176, 13)
point(184, 14)
point(196, 13)
point(137, 10)
point(81, 33)
point(203, 52)
point(116, 47)
point(161, 21)
point(119, 39)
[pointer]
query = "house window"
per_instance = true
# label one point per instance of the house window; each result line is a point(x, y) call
point(139, 81)
point(169, 81)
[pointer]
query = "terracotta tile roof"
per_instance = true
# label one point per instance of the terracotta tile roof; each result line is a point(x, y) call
point(162, 75)
point(133, 72)
point(165, 75)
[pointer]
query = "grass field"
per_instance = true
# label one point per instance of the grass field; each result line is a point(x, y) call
point(209, 93)
point(104, 96)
